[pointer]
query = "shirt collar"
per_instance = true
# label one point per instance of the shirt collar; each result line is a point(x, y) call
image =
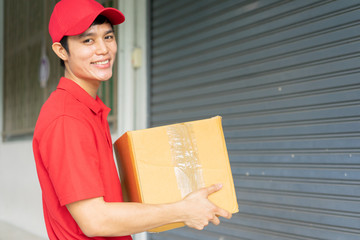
point(95, 105)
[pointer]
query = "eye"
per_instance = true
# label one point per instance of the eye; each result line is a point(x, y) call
point(109, 37)
point(88, 40)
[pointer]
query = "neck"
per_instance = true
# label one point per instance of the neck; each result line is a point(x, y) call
point(90, 86)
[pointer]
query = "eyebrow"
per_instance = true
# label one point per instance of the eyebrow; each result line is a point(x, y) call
point(89, 34)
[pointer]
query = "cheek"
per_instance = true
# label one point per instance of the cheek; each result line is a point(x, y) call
point(113, 49)
point(84, 55)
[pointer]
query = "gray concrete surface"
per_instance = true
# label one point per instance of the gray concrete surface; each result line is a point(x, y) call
point(11, 232)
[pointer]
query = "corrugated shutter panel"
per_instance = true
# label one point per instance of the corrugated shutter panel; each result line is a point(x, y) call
point(285, 77)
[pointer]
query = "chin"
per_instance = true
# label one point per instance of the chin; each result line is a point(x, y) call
point(104, 77)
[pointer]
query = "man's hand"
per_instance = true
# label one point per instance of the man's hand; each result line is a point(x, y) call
point(199, 211)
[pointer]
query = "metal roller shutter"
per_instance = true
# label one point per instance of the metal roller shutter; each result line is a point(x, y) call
point(285, 77)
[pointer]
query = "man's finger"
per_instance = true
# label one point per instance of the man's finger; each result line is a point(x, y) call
point(216, 220)
point(214, 188)
point(223, 213)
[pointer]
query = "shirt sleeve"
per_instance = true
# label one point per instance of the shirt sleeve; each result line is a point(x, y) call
point(69, 153)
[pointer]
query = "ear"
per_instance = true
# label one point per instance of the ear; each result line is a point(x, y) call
point(60, 51)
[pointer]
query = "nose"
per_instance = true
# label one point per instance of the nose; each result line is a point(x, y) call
point(101, 47)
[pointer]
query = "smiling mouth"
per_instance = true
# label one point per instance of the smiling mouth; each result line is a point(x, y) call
point(101, 62)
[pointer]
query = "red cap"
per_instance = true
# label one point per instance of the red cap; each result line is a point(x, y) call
point(73, 17)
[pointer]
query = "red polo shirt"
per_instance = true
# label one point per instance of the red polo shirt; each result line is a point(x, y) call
point(74, 159)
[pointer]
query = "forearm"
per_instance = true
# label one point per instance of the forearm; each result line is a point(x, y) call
point(130, 218)
point(98, 218)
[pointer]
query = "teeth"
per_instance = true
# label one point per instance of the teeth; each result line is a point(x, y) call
point(103, 62)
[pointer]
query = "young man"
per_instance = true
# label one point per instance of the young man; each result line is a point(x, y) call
point(72, 145)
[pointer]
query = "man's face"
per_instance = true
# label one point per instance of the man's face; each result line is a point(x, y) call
point(92, 54)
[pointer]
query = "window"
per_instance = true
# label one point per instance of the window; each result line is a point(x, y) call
point(26, 38)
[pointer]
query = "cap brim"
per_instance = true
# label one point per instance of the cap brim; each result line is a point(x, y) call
point(115, 17)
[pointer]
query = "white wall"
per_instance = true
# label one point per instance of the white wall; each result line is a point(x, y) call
point(1, 64)
point(20, 194)
point(132, 87)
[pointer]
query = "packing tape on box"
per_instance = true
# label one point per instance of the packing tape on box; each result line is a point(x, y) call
point(188, 170)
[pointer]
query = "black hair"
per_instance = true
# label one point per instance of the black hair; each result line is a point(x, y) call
point(98, 21)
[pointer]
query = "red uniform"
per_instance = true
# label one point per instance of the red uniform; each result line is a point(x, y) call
point(74, 158)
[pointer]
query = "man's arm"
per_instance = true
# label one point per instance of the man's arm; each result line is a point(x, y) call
point(96, 217)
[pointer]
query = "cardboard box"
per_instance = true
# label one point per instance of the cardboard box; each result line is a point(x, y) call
point(164, 164)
